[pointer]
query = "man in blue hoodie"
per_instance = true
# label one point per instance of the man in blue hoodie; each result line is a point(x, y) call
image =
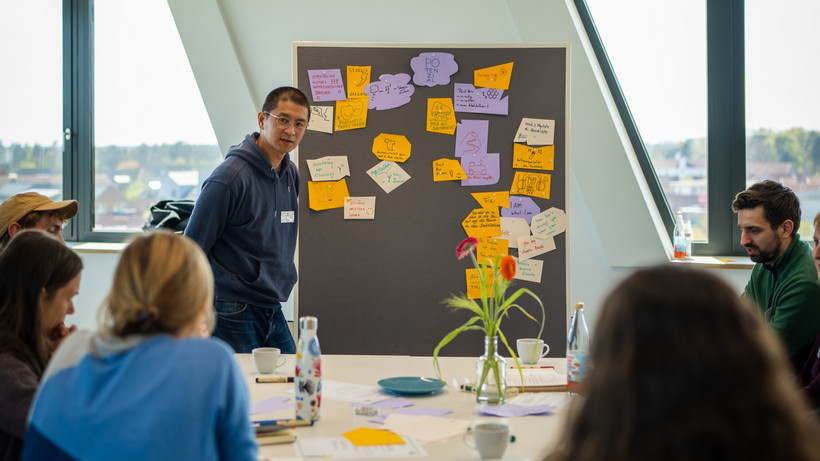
point(245, 220)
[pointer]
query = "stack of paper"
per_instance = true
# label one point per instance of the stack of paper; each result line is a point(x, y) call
point(539, 379)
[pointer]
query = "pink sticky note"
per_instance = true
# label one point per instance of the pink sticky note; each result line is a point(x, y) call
point(481, 169)
point(326, 85)
point(471, 137)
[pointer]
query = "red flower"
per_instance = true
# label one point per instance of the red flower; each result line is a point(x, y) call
point(466, 247)
point(507, 267)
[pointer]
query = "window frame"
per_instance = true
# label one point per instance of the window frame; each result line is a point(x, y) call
point(726, 138)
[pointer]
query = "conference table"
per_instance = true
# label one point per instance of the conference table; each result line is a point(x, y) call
point(535, 435)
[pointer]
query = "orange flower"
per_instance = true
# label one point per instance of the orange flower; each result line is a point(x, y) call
point(507, 267)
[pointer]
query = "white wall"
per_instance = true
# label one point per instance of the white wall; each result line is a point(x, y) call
point(240, 50)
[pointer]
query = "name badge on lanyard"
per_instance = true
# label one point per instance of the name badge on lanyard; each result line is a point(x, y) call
point(288, 217)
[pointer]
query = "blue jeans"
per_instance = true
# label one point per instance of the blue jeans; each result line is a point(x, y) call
point(245, 326)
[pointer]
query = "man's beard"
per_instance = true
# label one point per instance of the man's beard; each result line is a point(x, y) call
point(769, 254)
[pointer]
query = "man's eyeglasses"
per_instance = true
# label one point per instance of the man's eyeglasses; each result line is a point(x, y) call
point(284, 123)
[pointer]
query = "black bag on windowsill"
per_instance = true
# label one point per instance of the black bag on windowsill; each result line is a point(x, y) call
point(170, 214)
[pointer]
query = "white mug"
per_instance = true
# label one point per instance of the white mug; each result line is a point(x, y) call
point(267, 359)
point(490, 439)
point(531, 350)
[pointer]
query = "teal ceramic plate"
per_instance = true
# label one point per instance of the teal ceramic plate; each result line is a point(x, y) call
point(411, 385)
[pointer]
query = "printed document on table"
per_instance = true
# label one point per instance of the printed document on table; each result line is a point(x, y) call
point(349, 392)
point(341, 448)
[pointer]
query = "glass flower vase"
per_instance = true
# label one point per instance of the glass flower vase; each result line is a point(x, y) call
point(491, 374)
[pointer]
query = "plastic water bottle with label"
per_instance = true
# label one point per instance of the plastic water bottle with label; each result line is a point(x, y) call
point(577, 349)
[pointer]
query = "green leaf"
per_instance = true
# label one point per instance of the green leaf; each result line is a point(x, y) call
point(468, 325)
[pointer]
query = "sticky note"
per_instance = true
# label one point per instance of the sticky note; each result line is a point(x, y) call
point(482, 222)
point(521, 207)
point(529, 247)
point(497, 77)
point(360, 208)
point(549, 223)
point(536, 131)
point(358, 77)
point(321, 119)
point(331, 168)
point(389, 92)
point(532, 184)
point(471, 137)
point(327, 194)
point(493, 199)
point(514, 228)
point(474, 283)
point(447, 169)
point(326, 85)
point(434, 68)
point(388, 175)
point(490, 247)
point(481, 169)
point(393, 147)
point(531, 158)
point(441, 118)
point(365, 436)
point(467, 98)
point(529, 270)
point(351, 114)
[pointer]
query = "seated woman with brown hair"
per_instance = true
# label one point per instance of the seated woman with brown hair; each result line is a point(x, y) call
point(146, 386)
point(683, 370)
point(39, 276)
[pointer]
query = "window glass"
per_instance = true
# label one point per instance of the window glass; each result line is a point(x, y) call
point(658, 52)
point(31, 98)
point(783, 99)
point(152, 136)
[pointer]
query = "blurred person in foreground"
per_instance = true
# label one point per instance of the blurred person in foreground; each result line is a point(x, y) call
point(146, 386)
point(683, 369)
point(809, 375)
point(783, 284)
point(39, 276)
point(30, 210)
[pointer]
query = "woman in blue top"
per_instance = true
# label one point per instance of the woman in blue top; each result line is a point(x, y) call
point(146, 386)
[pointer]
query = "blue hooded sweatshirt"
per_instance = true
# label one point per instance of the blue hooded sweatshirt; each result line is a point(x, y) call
point(245, 220)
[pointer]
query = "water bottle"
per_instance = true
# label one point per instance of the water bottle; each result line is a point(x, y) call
point(577, 349)
point(679, 237)
point(688, 235)
point(308, 374)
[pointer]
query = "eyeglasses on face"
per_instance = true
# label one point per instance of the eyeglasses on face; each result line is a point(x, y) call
point(285, 122)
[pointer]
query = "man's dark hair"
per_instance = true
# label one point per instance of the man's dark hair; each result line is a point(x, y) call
point(778, 201)
point(285, 93)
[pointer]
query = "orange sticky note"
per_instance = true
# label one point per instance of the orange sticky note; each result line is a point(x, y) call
point(482, 222)
point(492, 199)
point(392, 147)
point(497, 77)
point(532, 184)
point(365, 436)
point(447, 169)
point(325, 195)
point(441, 118)
point(351, 114)
point(474, 284)
point(530, 158)
point(358, 77)
point(489, 248)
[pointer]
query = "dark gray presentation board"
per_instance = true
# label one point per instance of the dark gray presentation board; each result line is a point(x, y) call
point(376, 286)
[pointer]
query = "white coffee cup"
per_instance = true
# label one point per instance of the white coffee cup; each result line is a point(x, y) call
point(490, 439)
point(531, 350)
point(267, 359)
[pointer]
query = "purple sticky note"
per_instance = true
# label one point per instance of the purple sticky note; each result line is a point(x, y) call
point(521, 207)
point(389, 91)
point(512, 411)
point(326, 85)
point(419, 411)
point(431, 69)
point(471, 137)
point(271, 404)
point(467, 98)
point(481, 169)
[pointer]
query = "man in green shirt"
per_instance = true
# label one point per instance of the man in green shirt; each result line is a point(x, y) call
point(784, 284)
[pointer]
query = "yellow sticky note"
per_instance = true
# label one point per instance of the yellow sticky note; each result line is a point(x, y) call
point(497, 77)
point(474, 284)
point(365, 436)
point(351, 114)
point(392, 147)
point(482, 222)
point(358, 77)
point(325, 195)
point(532, 184)
point(492, 199)
point(447, 169)
point(529, 158)
point(489, 248)
point(441, 118)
